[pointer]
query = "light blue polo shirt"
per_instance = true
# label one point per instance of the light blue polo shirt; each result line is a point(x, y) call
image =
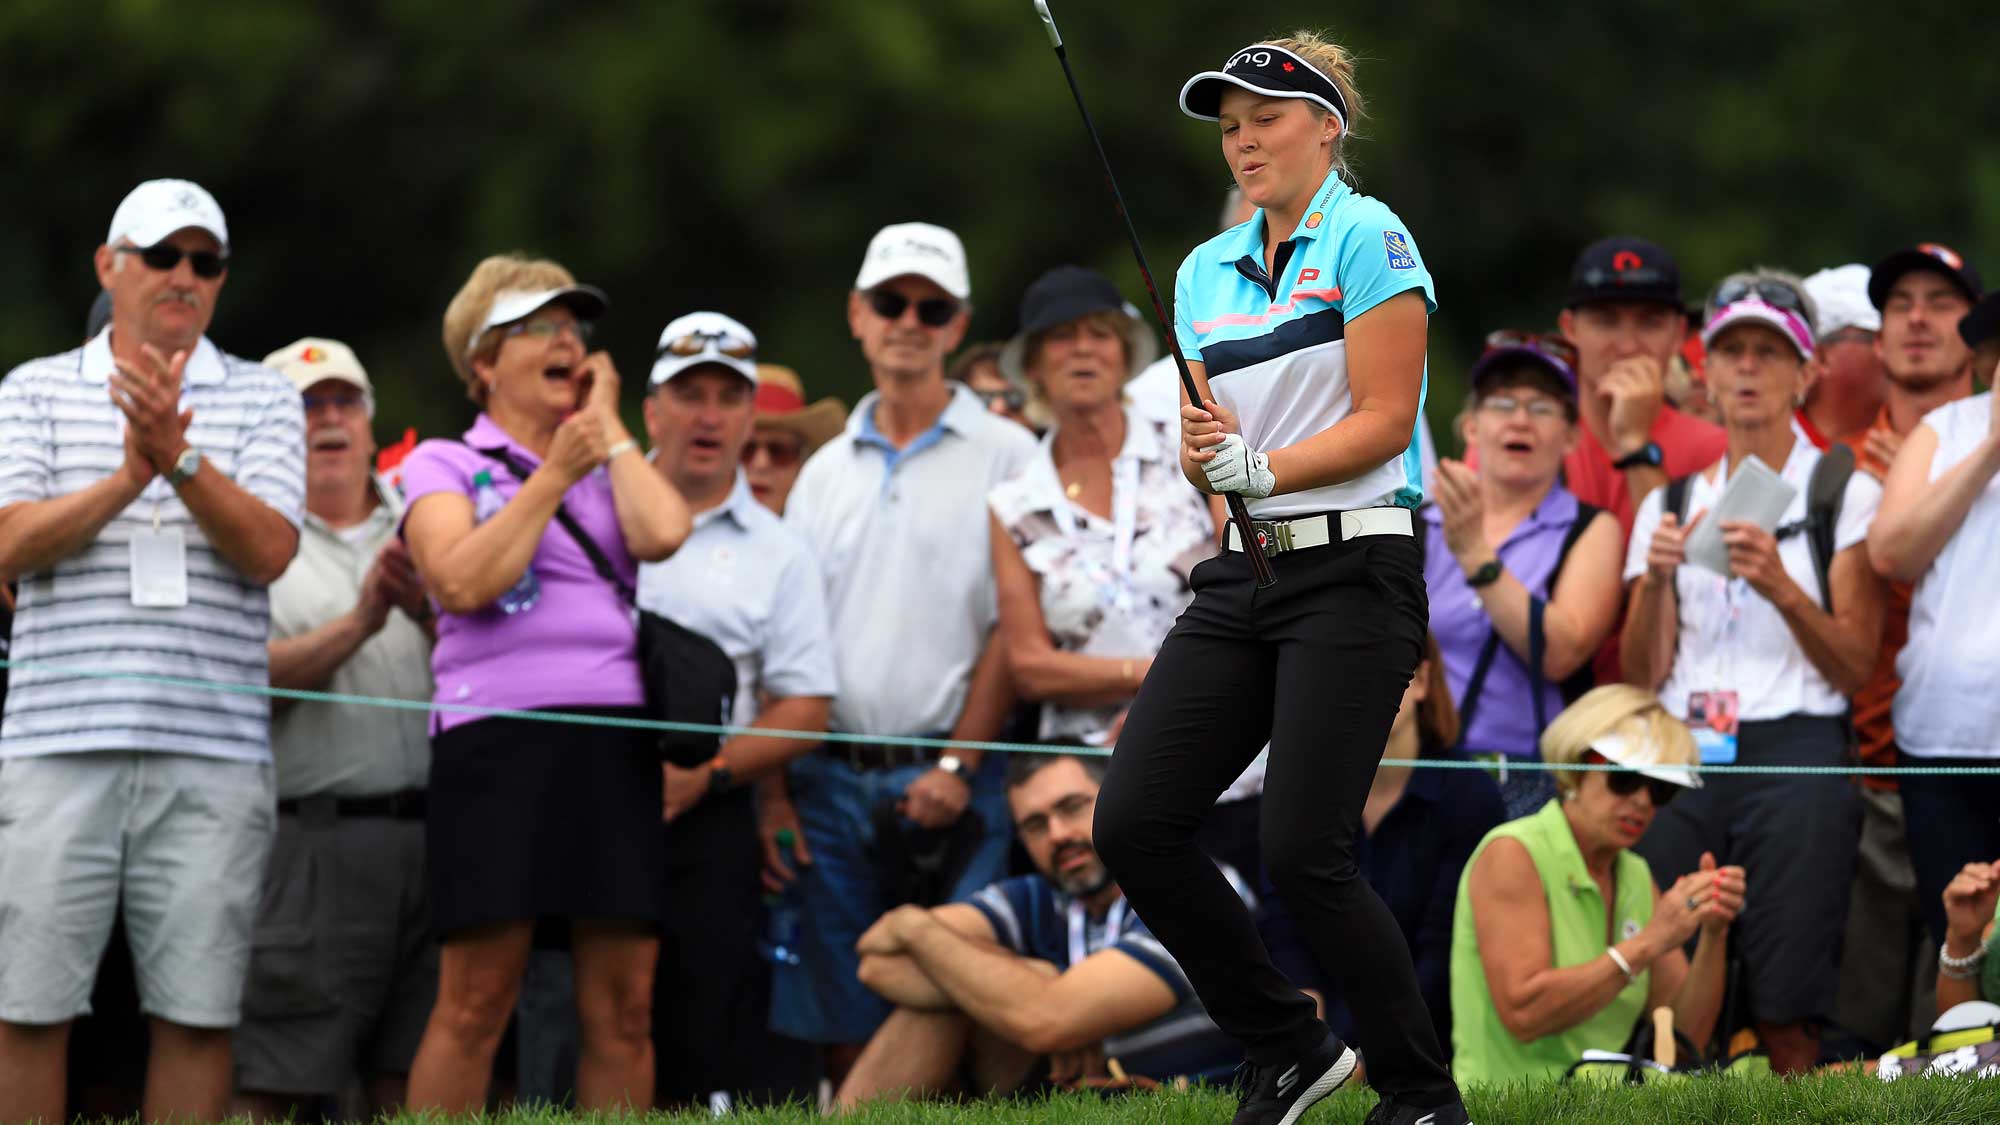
point(1275, 348)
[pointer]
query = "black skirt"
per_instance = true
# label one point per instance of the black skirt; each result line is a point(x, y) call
point(535, 821)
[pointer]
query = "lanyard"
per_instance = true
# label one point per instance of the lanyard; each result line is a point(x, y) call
point(1114, 923)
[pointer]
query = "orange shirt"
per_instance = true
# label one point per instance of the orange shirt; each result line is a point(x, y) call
point(1688, 445)
point(1873, 724)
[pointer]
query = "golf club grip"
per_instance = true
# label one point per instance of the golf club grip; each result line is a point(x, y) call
point(1239, 514)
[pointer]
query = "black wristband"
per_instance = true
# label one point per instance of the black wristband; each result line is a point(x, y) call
point(1486, 575)
point(1647, 454)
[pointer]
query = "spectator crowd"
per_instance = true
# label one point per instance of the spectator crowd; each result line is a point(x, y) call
point(264, 712)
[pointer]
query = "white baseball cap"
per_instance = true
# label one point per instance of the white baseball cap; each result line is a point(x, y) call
point(916, 248)
point(1643, 757)
point(158, 208)
point(588, 302)
point(314, 358)
point(701, 338)
point(1840, 297)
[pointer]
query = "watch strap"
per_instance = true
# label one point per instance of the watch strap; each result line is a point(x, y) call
point(952, 764)
point(1486, 575)
point(184, 467)
point(1647, 454)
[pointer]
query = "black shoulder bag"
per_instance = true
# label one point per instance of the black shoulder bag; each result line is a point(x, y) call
point(688, 678)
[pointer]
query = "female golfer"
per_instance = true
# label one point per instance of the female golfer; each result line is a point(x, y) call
point(1305, 331)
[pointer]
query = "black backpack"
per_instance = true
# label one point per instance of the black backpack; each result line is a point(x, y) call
point(1824, 492)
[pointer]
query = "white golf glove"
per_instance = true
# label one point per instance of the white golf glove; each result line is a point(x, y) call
point(1240, 469)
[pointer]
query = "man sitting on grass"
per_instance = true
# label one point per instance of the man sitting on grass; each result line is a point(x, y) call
point(1045, 973)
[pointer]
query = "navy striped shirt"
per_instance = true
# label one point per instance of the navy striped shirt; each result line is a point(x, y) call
point(1032, 918)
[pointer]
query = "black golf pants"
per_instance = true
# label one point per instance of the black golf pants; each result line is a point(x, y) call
point(1316, 665)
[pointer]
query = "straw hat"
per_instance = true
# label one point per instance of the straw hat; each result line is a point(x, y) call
point(781, 402)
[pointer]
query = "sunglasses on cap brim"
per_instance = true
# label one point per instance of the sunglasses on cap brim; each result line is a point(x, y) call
point(933, 312)
point(702, 343)
point(207, 264)
point(1770, 292)
point(1624, 783)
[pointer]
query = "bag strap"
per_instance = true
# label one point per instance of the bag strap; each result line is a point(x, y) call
point(1538, 644)
point(1469, 703)
point(1824, 494)
point(1676, 500)
point(598, 559)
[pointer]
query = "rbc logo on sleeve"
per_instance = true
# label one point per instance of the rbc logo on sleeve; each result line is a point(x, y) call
point(1398, 245)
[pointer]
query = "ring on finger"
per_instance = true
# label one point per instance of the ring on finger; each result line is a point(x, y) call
point(1694, 902)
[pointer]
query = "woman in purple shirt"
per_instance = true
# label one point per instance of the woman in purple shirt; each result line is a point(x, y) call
point(1523, 577)
point(529, 820)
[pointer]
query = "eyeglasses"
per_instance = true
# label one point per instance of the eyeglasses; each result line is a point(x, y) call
point(207, 264)
point(1553, 346)
point(700, 343)
point(1770, 292)
point(1624, 783)
point(783, 453)
point(1504, 406)
point(1013, 399)
point(344, 400)
point(932, 312)
point(546, 331)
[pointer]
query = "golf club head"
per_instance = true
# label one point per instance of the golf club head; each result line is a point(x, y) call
point(1048, 23)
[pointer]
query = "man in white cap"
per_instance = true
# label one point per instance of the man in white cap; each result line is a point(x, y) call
point(749, 583)
point(894, 510)
point(350, 996)
point(1848, 381)
point(150, 490)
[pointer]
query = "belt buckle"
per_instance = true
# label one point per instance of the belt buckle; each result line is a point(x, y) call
point(1272, 538)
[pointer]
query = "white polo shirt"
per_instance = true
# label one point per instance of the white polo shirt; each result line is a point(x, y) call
point(901, 538)
point(1731, 638)
point(61, 433)
point(747, 582)
point(1949, 704)
point(351, 750)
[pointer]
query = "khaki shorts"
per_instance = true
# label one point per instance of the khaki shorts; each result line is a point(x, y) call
point(183, 839)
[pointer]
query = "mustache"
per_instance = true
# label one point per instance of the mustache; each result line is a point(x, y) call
point(328, 433)
point(189, 296)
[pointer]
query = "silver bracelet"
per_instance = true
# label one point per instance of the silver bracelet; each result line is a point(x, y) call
point(1961, 968)
point(620, 449)
point(1619, 960)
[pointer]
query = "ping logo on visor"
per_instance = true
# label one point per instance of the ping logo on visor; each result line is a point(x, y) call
point(1262, 68)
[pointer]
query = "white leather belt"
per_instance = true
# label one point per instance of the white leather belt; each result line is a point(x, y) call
point(1279, 536)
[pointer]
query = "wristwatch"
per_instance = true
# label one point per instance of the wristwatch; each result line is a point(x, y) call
point(185, 467)
point(721, 779)
point(1486, 575)
point(1647, 454)
point(953, 765)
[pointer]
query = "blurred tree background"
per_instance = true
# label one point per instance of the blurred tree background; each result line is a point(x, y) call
point(737, 154)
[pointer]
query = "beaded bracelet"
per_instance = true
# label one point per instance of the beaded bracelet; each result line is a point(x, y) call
point(1961, 968)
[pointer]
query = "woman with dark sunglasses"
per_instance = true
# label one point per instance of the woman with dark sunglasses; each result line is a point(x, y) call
point(1560, 941)
point(1305, 330)
point(1523, 576)
point(1759, 650)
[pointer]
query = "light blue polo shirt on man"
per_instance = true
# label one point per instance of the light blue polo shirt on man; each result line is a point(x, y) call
point(1275, 347)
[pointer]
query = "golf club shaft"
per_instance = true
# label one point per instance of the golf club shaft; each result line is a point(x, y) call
point(1239, 513)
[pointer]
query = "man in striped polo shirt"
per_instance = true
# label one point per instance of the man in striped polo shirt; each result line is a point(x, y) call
point(150, 490)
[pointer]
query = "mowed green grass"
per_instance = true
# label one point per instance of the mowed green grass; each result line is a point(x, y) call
point(1830, 1099)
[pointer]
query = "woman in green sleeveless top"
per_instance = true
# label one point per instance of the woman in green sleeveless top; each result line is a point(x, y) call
point(1968, 964)
point(1541, 970)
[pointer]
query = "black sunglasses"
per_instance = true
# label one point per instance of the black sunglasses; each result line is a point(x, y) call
point(1624, 783)
point(933, 312)
point(1770, 292)
point(207, 264)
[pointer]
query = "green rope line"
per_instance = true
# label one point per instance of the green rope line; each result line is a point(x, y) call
point(727, 731)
